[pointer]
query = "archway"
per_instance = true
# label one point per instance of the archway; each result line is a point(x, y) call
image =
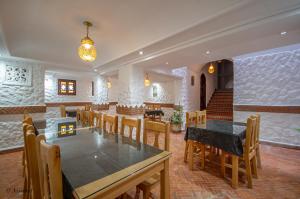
point(202, 92)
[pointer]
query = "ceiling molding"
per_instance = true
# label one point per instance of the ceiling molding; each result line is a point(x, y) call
point(127, 60)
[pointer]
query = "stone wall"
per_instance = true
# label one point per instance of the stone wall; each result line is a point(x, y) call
point(270, 79)
point(22, 95)
point(165, 92)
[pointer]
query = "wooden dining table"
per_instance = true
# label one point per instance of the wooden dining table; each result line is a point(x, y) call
point(225, 135)
point(98, 164)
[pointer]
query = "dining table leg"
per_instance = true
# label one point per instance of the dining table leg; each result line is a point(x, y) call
point(165, 181)
point(235, 171)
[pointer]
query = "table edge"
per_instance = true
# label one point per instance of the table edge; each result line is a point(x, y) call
point(103, 183)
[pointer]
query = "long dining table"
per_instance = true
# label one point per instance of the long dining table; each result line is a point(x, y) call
point(98, 164)
point(225, 135)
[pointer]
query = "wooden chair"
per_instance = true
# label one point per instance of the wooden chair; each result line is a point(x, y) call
point(62, 111)
point(257, 141)
point(78, 115)
point(87, 107)
point(249, 155)
point(26, 169)
point(91, 118)
point(131, 124)
point(98, 117)
point(112, 122)
point(190, 118)
point(84, 117)
point(201, 117)
point(51, 176)
point(157, 128)
point(32, 164)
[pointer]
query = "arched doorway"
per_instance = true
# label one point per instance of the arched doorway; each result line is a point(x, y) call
point(202, 92)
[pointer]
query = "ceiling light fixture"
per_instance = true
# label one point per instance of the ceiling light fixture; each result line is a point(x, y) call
point(147, 81)
point(167, 63)
point(211, 68)
point(108, 84)
point(95, 70)
point(283, 33)
point(208, 52)
point(87, 50)
point(141, 52)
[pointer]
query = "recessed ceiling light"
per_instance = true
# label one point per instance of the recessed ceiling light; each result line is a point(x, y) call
point(207, 52)
point(283, 33)
point(167, 63)
point(95, 70)
point(141, 52)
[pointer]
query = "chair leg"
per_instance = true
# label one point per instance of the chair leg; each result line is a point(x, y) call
point(190, 154)
point(258, 157)
point(202, 153)
point(248, 172)
point(223, 168)
point(146, 193)
point(254, 166)
point(186, 151)
point(137, 193)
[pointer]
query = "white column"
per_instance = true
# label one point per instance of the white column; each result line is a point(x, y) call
point(131, 85)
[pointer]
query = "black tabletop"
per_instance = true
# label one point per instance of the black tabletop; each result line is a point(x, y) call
point(154, 112)
point(225, 135)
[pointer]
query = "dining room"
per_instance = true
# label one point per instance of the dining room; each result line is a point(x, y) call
point(161, 99)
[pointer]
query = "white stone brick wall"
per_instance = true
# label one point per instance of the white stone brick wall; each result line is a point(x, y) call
point(22, 95)
point(270, 79)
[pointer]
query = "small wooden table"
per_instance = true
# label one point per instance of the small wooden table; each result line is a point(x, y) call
point(96, 164)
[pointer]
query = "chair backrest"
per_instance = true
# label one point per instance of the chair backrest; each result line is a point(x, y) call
point(257, 129)
point(201, 117)
point(131, 124)
point(28, 120)
point(84, 117)
point(98, 117)
point(87, 107)
point(112, 122)
point(250, 135)
point(39, 160)
point(91, 118)
point(156, 107)
point(78, 114)
point(157, 128)
point(51, 171)
point(26, 114)
point(190, 118)
point(32, 162)
point(62, 111)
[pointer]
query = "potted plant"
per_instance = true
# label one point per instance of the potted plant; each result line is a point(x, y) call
point(176, 119)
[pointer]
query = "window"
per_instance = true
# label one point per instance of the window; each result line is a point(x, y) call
point(66, 87)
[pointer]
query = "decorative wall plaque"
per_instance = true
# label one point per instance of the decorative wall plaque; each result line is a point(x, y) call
point(18, 75)
point(66, 87)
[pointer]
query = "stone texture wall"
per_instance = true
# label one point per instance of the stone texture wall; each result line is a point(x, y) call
point(83, 90)
point(165, 92)
point(270, 79)
point(11, 95)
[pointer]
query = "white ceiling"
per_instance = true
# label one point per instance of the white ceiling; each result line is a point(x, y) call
point(174, 31)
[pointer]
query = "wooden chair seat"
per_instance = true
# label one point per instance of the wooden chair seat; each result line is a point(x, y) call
point(155, 179)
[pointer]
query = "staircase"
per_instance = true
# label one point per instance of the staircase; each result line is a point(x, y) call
point(220, 106)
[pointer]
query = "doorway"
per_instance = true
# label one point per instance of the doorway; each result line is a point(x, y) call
point(202, 92)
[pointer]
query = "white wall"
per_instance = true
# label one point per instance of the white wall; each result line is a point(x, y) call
point(165, 92)
point(83, 89)
point(270, 79)
point(22, 95)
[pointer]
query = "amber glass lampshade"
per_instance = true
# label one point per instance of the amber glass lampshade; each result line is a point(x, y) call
point(211, 69)
point(87, 50)
point(147, 81)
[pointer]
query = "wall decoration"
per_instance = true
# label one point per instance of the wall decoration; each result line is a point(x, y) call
point(193, 80)
point(18, 75)
point(154, 91)
point(66, 87)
